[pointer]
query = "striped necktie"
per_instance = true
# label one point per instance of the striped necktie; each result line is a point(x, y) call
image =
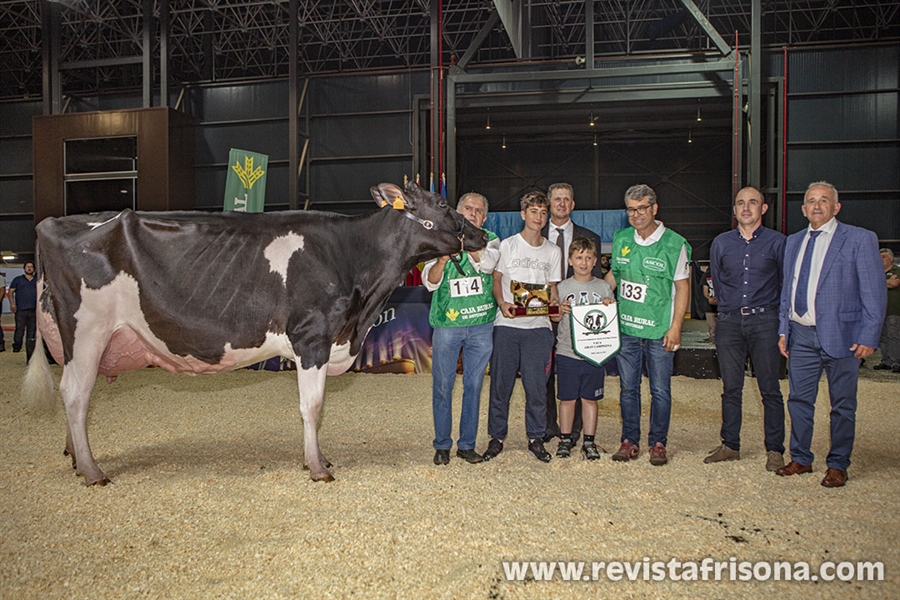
point(561, 242)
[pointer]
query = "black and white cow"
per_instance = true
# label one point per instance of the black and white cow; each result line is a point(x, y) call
point(206, 292)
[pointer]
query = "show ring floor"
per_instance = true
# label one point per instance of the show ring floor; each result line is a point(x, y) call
point(209, 498)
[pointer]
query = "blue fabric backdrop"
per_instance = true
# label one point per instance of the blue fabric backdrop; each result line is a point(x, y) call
point(602, 222)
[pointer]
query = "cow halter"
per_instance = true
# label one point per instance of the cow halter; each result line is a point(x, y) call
point(429, 225)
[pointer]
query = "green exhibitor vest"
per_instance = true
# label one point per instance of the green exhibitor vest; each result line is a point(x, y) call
point(463, 300)
point(644, 277)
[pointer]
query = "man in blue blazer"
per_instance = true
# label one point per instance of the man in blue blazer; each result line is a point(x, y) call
point(832, 308)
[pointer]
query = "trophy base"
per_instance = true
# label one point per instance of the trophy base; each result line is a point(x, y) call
point(535, 311)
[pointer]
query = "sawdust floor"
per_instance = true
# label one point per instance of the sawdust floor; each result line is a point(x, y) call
point(209, 499)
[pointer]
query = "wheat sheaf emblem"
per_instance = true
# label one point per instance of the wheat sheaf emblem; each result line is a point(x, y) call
point(247, 174)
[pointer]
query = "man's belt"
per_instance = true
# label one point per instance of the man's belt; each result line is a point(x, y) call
point(746, 311)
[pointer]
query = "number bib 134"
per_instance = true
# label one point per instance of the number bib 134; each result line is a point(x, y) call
point(465, 286)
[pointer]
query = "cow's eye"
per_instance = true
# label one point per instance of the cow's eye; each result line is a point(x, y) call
point(442, 204)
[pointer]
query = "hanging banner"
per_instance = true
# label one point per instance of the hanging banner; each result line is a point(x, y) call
point(595, 332)
point(245, 187)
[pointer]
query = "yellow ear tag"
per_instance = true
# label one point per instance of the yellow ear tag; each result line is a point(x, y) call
point(398, 203)
point(383, 203)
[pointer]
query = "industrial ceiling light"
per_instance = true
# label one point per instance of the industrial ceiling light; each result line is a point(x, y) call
point(595, 138)
point(592, 117)
point(488, 125)
point(690, 137)
point(504, 141)
point(699, 118)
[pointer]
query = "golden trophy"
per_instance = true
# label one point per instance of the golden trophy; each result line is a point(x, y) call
point(532, 299)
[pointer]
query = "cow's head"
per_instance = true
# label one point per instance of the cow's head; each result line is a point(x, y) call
point(448, 230)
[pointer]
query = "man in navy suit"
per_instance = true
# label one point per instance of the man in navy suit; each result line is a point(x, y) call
point(561, 230)
point(832, 308)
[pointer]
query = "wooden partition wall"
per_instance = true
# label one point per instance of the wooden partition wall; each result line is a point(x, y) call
point(165, 156)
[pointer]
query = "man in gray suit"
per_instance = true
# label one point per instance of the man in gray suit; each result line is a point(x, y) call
point(561, 230)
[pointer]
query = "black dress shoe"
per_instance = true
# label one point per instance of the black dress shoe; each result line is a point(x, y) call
point(881, 367)
point(494, 448)
point(536, 447)
point(442, 457)
point(470, 456)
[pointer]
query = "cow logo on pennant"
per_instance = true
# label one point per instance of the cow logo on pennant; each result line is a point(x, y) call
point(595, 332)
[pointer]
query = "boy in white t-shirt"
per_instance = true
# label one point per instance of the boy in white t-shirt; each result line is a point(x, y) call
point(576, 377)
point(523, 344)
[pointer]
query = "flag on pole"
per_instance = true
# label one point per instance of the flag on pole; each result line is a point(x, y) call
point(443, 185)
point(245, 186)
point(431, 189)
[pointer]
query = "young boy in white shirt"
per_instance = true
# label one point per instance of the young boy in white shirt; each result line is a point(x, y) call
point(523, 344)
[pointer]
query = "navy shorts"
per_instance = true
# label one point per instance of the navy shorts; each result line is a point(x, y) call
point(577, 378)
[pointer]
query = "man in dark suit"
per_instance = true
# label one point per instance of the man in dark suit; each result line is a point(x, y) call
point(832, 308)
point(561, 230)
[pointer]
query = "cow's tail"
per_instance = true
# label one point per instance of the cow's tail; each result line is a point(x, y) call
point(38, 393)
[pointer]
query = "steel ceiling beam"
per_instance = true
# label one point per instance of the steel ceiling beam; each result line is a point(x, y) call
point(704, 23)
point(510, 14)
point(231, 40)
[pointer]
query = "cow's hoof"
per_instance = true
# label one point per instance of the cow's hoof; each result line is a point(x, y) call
point(100, 482)
point(324, 462)
point(326, 476)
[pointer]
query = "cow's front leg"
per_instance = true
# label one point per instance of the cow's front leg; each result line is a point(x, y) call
point(312, 392)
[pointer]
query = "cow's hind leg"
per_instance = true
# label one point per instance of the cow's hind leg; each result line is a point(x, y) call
point(312, 392)
point(70, 448)
point(75, 386)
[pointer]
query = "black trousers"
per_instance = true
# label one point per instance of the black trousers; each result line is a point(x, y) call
point(25, 329)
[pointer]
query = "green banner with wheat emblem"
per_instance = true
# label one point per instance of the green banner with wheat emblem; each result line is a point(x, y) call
point(245, 187)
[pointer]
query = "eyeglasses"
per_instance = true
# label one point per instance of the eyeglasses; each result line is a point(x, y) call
point(638, 210)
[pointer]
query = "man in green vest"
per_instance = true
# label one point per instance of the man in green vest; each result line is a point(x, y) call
point(462, 315)
point(650, 269)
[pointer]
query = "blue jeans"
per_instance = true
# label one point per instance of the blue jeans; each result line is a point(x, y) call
point(634, 352)
point(737, 337)
point(476, 343)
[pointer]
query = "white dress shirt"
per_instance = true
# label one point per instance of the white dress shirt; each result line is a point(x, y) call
point(815, 269)
point(568, 234)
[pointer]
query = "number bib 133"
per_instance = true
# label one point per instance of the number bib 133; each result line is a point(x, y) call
point(636, 292)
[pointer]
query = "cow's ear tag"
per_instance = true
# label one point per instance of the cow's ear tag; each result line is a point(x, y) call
point(383, 203)
point(398, 203)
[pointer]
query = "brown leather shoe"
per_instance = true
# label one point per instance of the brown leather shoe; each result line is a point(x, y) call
point(834, 478)
point(794, 468)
